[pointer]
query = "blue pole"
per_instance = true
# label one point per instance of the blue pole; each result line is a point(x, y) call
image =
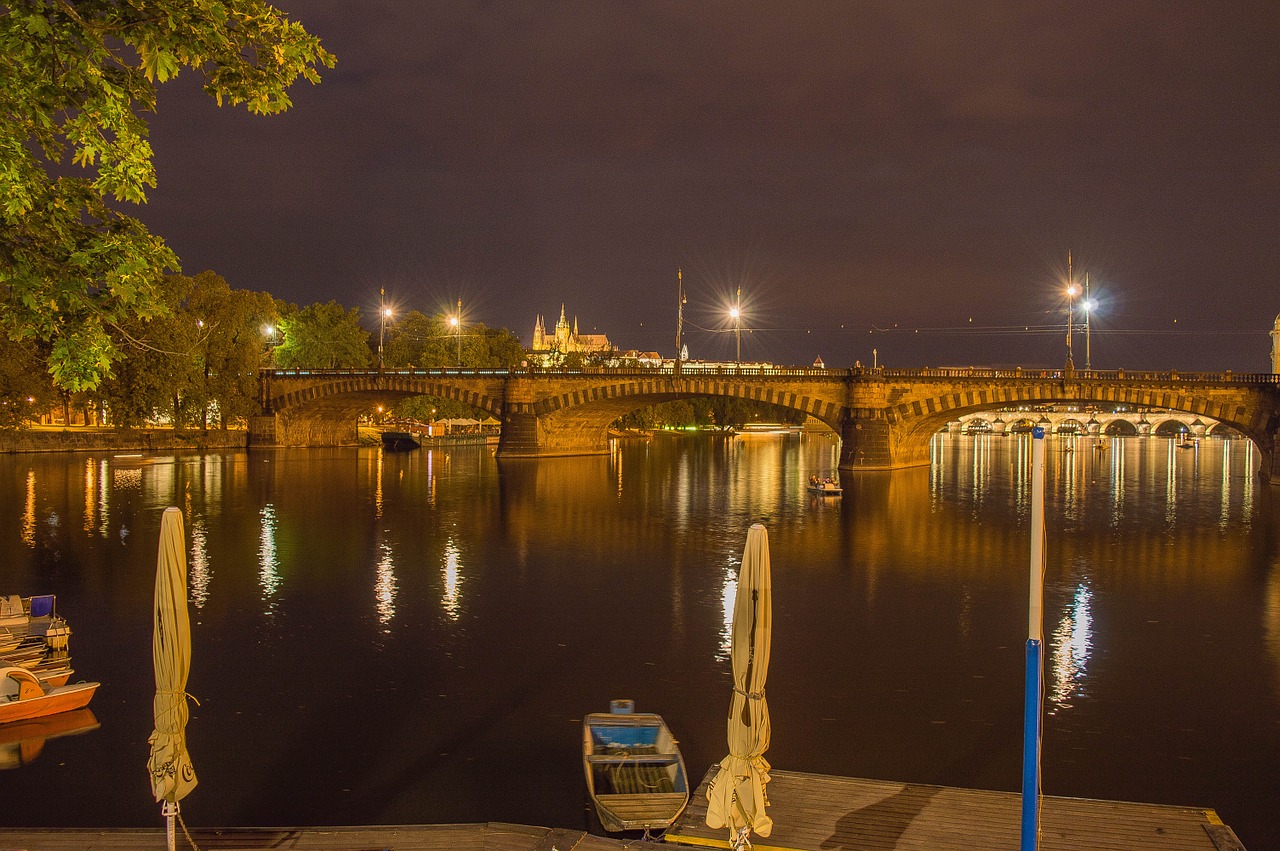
point(1031, 751)
point(1035, 638)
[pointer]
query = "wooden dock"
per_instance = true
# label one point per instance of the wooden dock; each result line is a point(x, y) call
point(446, 837)
point(816, 812)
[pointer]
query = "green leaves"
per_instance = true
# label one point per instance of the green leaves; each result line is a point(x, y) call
point(75, 80)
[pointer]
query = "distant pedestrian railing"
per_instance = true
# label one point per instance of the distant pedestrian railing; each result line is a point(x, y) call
point(783, 372)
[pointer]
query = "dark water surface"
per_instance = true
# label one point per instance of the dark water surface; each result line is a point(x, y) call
point(415, 637)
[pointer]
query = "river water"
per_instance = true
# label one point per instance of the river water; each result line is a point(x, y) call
point(415, 637)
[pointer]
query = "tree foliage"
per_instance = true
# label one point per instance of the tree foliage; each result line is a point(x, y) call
point(232, 347)
point(321, 336)
point(74, 80)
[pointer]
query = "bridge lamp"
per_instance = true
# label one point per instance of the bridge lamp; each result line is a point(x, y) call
point(1072, 292)
point(1088, 305)
point(383, 316)
point(457, 332)
point(736, 316)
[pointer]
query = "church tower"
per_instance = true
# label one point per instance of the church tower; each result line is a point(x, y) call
point(1275, 347)
point(539, 336)
point(562, 332)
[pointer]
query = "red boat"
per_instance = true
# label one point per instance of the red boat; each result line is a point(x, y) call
point(22, 696)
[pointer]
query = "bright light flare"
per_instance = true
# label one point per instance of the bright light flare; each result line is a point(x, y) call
point(1073, 290)
point(453, 321)
point(733, 313)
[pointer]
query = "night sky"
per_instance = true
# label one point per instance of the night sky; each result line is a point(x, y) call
point(908, 177)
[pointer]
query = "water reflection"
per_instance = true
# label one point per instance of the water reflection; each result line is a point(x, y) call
point(1072, 642)
point(90, 494)
point(198, 584)
point(29, 513)
point(452, 598)
point(384, 585)
point(728, 598)
point(268, 564)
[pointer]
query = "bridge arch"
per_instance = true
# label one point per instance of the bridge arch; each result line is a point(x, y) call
point(921, 418)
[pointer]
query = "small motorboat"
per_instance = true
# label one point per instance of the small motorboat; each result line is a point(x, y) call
point(22, 696)
point(399, 441)
point(635, 773)
point(824, 487)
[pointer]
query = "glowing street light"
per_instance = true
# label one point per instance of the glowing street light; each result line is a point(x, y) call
point(735, 313)
point(455, 322)
point(384, 313)
point(1072, 292)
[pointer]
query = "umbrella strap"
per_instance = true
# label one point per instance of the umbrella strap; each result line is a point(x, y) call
point(750, 695)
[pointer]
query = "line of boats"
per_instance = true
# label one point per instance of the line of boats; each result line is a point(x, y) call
point(35, 663)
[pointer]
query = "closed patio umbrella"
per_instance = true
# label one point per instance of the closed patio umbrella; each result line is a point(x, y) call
point(172, 775)
point(736, 797)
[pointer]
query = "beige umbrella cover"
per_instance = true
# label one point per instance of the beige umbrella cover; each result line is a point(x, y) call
point(172, 775)
point(736, 796)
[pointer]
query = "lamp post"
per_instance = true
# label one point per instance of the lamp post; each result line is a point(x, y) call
point(735, 313)
point(1088, 305)
point(680, 302)
point(455, 322)
point(1072, 292)
point(384, 313)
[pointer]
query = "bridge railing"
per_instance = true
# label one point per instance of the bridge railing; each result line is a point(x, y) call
point(696, 370)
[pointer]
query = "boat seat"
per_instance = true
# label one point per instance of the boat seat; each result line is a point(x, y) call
point(632, 759)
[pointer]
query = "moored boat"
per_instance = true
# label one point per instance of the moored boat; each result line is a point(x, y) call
point(22, 696)
point(634, 770)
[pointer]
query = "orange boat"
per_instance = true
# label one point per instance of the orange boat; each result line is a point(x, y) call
point(22, 696)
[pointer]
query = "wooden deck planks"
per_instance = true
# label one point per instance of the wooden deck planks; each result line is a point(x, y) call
point(813, 812)
point(464, 837)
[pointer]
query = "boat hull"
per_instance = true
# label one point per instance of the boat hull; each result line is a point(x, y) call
point(634, 771)
point(52, 702)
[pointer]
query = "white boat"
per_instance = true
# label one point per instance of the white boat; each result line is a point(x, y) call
point(635, 773)
point(26, 618)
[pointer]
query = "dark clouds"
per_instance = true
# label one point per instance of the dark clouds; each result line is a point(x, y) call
point(848, 164)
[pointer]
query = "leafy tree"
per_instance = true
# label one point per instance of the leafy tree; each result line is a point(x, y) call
point(232, 348)
point(74, 80)
point(25, 390)
point(161, 363)
point(322, 336)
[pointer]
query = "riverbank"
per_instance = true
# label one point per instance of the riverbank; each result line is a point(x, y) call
point(47, 439)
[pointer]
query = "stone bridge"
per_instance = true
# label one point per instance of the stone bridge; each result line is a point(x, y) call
point(885, 417)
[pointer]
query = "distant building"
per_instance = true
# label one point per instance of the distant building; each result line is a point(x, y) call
point(565, 340)
point(1275, 348)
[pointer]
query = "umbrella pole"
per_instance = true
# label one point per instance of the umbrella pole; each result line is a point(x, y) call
point(170, 810)
point(1035, 661)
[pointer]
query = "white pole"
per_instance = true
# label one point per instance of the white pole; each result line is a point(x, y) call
point(1035, 659)
point(170, 809)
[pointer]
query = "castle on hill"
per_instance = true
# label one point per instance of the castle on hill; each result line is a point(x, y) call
point(566, 339)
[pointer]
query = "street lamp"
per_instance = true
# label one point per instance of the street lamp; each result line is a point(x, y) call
point(455, 322)
point(1088, 305)
point(680, 303)
point(384, 314)
point(735, 313)
point(1072, 292)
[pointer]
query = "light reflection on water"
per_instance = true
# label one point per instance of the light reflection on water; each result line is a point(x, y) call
point(268, 563)
point(451, 599)
point(556, 586)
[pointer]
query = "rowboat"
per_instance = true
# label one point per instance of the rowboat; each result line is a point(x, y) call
point(633, 767)
point(22, 696)
point(824, 487)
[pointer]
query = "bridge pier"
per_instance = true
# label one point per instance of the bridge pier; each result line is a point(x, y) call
point(528, 435)
point(868, 442)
